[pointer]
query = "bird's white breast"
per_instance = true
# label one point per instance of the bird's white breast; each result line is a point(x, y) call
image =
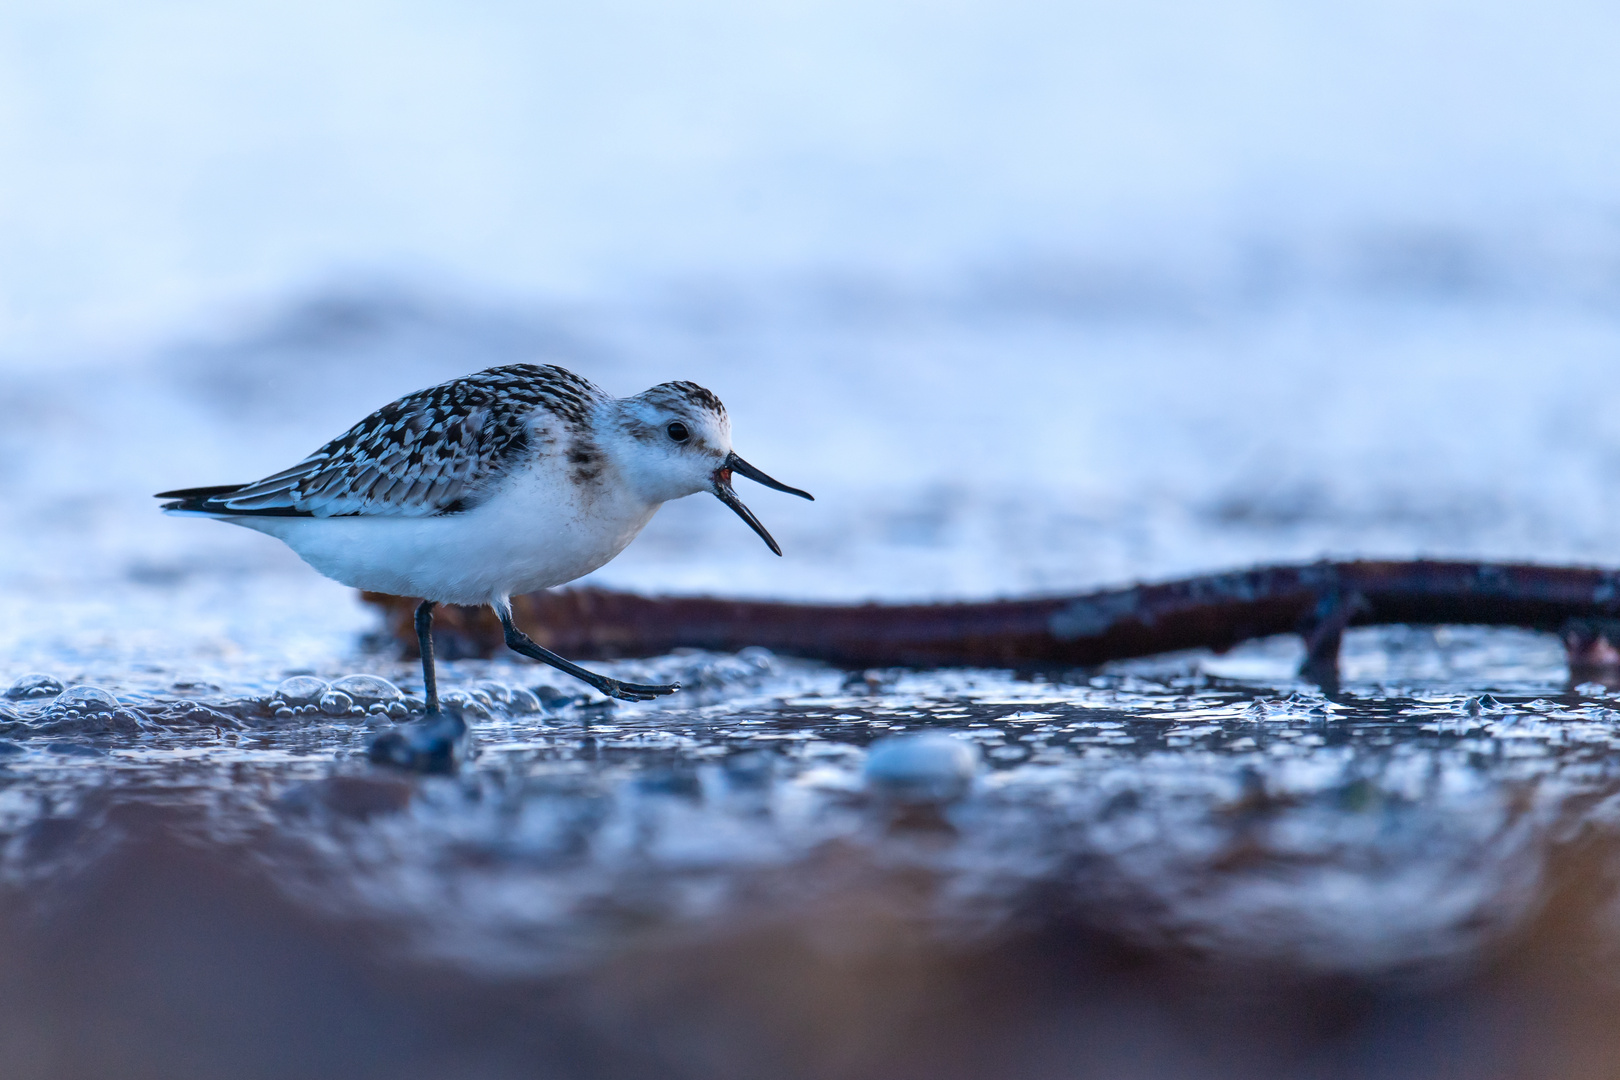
point(541, 527)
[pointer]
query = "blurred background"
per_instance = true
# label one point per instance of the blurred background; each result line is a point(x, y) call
point(1033, 296)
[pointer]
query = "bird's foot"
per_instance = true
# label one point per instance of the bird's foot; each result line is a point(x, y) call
point(437, 743)
point(632, 691)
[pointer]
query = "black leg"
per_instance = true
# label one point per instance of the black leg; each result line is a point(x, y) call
point(424, 643)
point(438, 742)
point(519, 642)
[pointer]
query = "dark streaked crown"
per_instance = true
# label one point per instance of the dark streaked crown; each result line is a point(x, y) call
point(683, 393)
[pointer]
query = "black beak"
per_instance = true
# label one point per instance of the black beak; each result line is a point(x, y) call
point(723, 492)
point(742, 468)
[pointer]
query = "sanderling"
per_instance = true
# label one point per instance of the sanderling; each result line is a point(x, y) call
point(515, 479)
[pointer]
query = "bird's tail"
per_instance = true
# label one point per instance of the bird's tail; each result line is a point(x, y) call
point(202, 500)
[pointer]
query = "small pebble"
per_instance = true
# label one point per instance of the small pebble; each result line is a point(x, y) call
point(929, 767)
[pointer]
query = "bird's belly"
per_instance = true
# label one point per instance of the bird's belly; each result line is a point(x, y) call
point(476, 557)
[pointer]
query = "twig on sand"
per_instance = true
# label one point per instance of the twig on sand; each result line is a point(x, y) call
point(1318, 601)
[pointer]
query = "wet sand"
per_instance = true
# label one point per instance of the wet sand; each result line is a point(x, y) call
point(1156, 872)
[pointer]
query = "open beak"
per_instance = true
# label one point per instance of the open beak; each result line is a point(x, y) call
point(723, 492)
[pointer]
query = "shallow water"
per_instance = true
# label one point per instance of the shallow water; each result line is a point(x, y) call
point(1386, 828)
point(607, 879)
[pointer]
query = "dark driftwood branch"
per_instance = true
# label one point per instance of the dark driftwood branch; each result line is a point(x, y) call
point(1217, 611)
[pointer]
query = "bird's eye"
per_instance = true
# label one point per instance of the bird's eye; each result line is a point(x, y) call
point(677, 431)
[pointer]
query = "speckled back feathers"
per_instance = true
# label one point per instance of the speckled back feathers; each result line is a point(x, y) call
point(436, 451)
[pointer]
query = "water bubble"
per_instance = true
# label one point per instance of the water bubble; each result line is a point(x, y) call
point(496, 692)
point(1476, 706)
point(336, 703)
point(470, 705)
point(34, 685)
point(514, 699)
point(522, 702)
point(86, 700)
point(301, 690)
point(367, 689)
point(181, 714)
point(127, 720)
point(552, 698)
point(930, 767)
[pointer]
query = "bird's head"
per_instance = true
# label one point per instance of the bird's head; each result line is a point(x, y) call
point(677, 442)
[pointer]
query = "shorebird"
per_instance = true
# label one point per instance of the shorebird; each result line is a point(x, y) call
point(510, 480)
